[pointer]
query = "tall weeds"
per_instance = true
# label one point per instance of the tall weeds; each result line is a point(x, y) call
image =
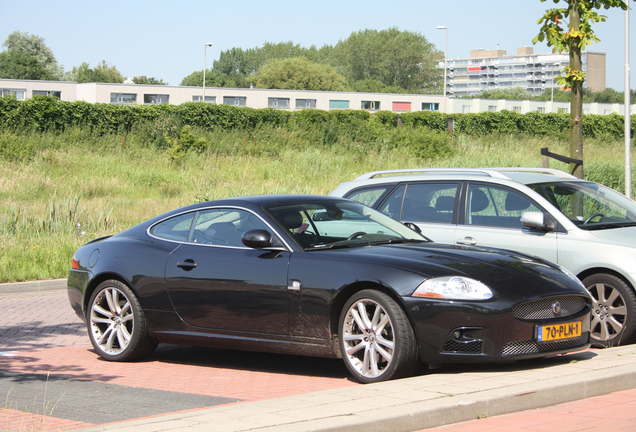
point(60, 190)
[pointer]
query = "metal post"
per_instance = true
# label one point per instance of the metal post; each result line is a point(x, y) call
point(628, 153)
point(445, 65)
point(205, 50)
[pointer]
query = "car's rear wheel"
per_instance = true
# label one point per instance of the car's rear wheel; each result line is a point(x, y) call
point(613, 304)
point(117, 324)
point(376, 339)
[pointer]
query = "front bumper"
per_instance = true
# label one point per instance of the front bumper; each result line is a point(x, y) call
point(480, 332)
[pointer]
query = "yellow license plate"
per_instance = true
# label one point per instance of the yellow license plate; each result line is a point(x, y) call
point(559, 331)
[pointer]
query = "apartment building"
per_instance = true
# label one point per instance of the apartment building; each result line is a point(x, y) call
point(494, 69)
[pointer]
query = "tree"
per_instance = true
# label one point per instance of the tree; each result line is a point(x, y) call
point(145, 80)
point(582, 14)
point(375, 86)
point(102, 73)
point(514, 93)
point(20, 65)
point(34, 46)
point(395, 58)
point(212, 79)
point(298, 73)
point(237, 66)
point(399, 60)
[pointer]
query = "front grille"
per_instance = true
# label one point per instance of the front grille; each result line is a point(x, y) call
point(533, 347)
point(543, 308)
point(473, 347)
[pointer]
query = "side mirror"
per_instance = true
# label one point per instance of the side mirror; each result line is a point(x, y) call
point(260, 239)
point(537, 220)
point(412, 226)
point(257, 239)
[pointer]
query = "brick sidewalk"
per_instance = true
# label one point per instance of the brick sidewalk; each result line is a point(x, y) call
point(614, 412)
point(40, 319)
point(40, 334)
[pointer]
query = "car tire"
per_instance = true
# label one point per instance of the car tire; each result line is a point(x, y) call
point(376, 339)
point(117, 324)
point(613, 320)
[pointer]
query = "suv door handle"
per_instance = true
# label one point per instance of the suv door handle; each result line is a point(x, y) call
point(468, 241)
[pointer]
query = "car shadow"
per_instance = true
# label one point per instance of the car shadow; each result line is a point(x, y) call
point(285, 364)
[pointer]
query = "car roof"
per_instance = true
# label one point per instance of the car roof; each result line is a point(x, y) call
point(515, 174)
point(252, 202)
point(265, 200)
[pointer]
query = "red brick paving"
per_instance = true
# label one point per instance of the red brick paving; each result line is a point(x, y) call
point(23, 421)
point(245, 384)
point(39, 333)
point(613, 412)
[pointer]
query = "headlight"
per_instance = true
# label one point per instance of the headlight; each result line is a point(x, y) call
point(453, 288)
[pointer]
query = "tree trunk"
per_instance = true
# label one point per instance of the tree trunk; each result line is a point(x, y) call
point(576, 96)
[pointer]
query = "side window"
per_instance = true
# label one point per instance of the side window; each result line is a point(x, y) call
point(224, 227)
point(176, 228)
point(368, 196)
point(429, 202)
point(393, 205)
point(497, 207)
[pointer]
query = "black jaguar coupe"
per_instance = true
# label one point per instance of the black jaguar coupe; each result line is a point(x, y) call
point(320, 276)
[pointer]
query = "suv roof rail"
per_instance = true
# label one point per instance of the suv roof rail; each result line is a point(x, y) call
point(550, 171)
point(483, 171)
point(491, 172)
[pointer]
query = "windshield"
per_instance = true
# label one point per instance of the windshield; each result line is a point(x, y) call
point(335, 224)
point(589, 205)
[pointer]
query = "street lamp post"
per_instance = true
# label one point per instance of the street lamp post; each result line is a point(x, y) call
point(445, 63)
point(555, 67)
point(205, 50)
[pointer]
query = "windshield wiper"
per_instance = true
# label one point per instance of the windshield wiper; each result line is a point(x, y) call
point(396, 241)
point(344, 245)
point(335, 246)
point(608, 226)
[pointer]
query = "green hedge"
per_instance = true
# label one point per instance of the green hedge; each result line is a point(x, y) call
point(42, 113)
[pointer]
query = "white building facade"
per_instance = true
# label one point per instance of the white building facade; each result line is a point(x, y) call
point(289, 100)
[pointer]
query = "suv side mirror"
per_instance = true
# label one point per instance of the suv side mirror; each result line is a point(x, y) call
point(538, 221)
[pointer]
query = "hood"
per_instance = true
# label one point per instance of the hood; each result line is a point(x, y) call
point(618, 236)
point(498, 268)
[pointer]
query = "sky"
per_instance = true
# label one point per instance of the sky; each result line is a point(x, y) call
point(166, 39)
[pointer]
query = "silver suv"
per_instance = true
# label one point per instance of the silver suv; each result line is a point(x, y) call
point(585, 227)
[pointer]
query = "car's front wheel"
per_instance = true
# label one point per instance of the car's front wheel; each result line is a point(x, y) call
point(613, 310)
point(376, 339)
point(117, 324)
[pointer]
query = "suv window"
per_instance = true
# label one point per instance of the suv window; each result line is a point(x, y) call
point(422, 202)
point(429, 202)
point(369, 196)
point(497, 207)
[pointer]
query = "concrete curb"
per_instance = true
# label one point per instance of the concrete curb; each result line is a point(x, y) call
point(42, 285)
point(416, 403)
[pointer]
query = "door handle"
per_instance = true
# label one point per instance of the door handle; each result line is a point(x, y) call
point(468, 241)
point(187, 264)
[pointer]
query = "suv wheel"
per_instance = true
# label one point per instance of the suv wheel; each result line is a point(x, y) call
point(613, 305)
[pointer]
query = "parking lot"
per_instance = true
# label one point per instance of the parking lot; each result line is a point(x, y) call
point(52, 380)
